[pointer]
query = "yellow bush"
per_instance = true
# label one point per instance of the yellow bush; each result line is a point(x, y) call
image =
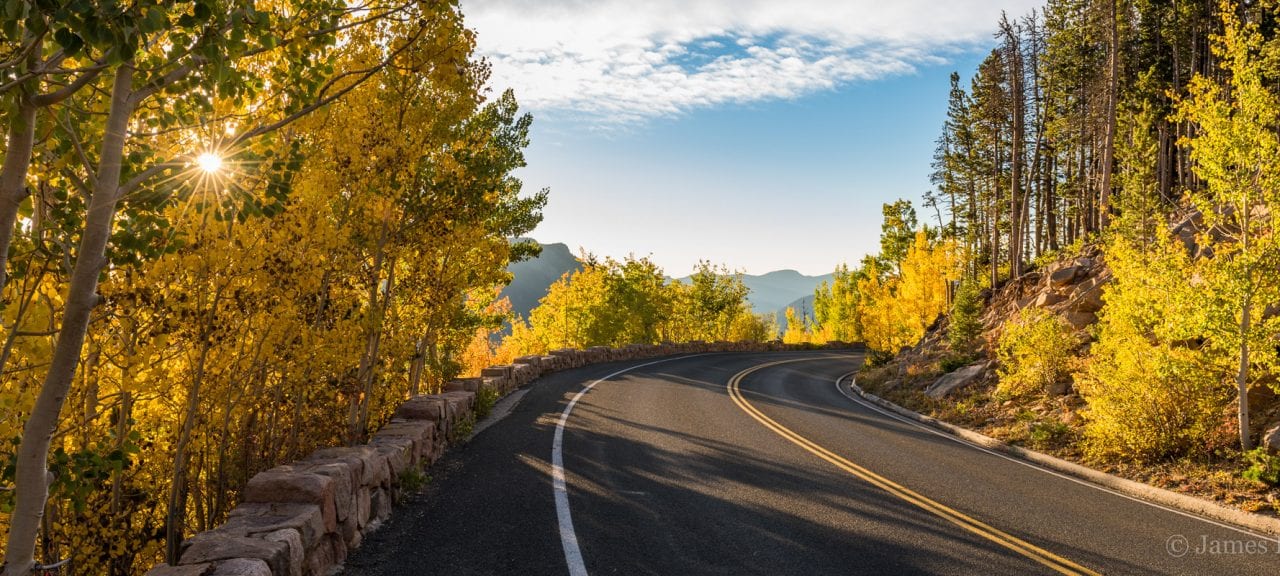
point(1034, 353)
point(1148, 402)
point(1152, 391)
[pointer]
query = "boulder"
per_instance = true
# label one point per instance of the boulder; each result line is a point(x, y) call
point(1187, 235)
point(1080, 320)
point(379, 504)
point(297, 553)
point(363, 514)
point(958, 379)
point(343, 485)
point(320, 560)
point(1059, 388)
point(463, 385)
point(1087, 297)
point(421, 434)
point(460, 402)
point(372, 468)
point(535, 361)
point(525, 373)
point(1271, 439)
point(1064, 276)
point(339, 547)
point(1046, 299)
point(502, 371)
point(424, 407)
point(398, 453)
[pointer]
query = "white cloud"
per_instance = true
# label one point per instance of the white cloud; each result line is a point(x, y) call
point(621, 61)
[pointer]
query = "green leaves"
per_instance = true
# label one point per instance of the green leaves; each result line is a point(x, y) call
point(69, 41)
point(155, 19)
point(80, 475)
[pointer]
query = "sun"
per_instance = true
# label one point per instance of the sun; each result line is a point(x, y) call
point(209, 162)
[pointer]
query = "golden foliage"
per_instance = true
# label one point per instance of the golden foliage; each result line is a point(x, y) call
point(613, 303)
point(290, 304)
point(1035, 353)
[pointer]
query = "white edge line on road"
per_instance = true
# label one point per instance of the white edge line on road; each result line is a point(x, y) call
point(1034, 466)
point(569, 538)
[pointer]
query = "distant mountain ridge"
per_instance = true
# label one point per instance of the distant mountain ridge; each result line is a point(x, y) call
point(775, 291)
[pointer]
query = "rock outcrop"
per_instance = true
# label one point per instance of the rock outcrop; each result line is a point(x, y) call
point(1271, 439)
point(1071, 289)
point(958, 379)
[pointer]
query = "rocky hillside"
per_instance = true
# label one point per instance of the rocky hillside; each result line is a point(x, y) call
point(1070, 288)
point(960, 388)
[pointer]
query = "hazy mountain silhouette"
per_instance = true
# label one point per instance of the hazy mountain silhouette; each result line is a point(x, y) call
point(772, 292)
point(803, 307)
point(532, 278)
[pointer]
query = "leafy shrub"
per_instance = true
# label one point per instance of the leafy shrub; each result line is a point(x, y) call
point(463, 428)
point(964, 319)
point(1045, 433)
point(876, 358)
point(955, 362)
point(1152, 393)
point(413, 479)
point(1034, 353)
point(1148, 402)
point(1263, 467)
point(486, 397)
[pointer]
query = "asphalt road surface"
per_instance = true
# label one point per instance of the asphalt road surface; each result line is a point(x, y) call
point(760, 464)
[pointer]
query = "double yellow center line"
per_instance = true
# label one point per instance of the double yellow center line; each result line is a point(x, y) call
point(1053, 561)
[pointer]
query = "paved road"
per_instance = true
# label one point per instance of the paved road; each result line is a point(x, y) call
point(692, 466)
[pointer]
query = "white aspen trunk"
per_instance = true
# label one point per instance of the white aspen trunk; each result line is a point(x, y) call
point(418, 366)
point(1242, 378)
point(30, 486)
point(175, 519)
point(1242, 372)
point(13, 174)
point(357, 414)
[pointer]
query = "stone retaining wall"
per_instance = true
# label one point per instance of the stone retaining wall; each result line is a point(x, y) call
point(301, 519)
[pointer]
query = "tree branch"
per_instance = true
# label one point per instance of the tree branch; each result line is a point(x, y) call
point(66, 91)
point(143, 176)
point(75, 142)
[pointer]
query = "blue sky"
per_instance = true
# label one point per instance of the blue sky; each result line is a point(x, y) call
point(732, 131)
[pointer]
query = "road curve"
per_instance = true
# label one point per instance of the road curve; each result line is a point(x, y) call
point(760, 464)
